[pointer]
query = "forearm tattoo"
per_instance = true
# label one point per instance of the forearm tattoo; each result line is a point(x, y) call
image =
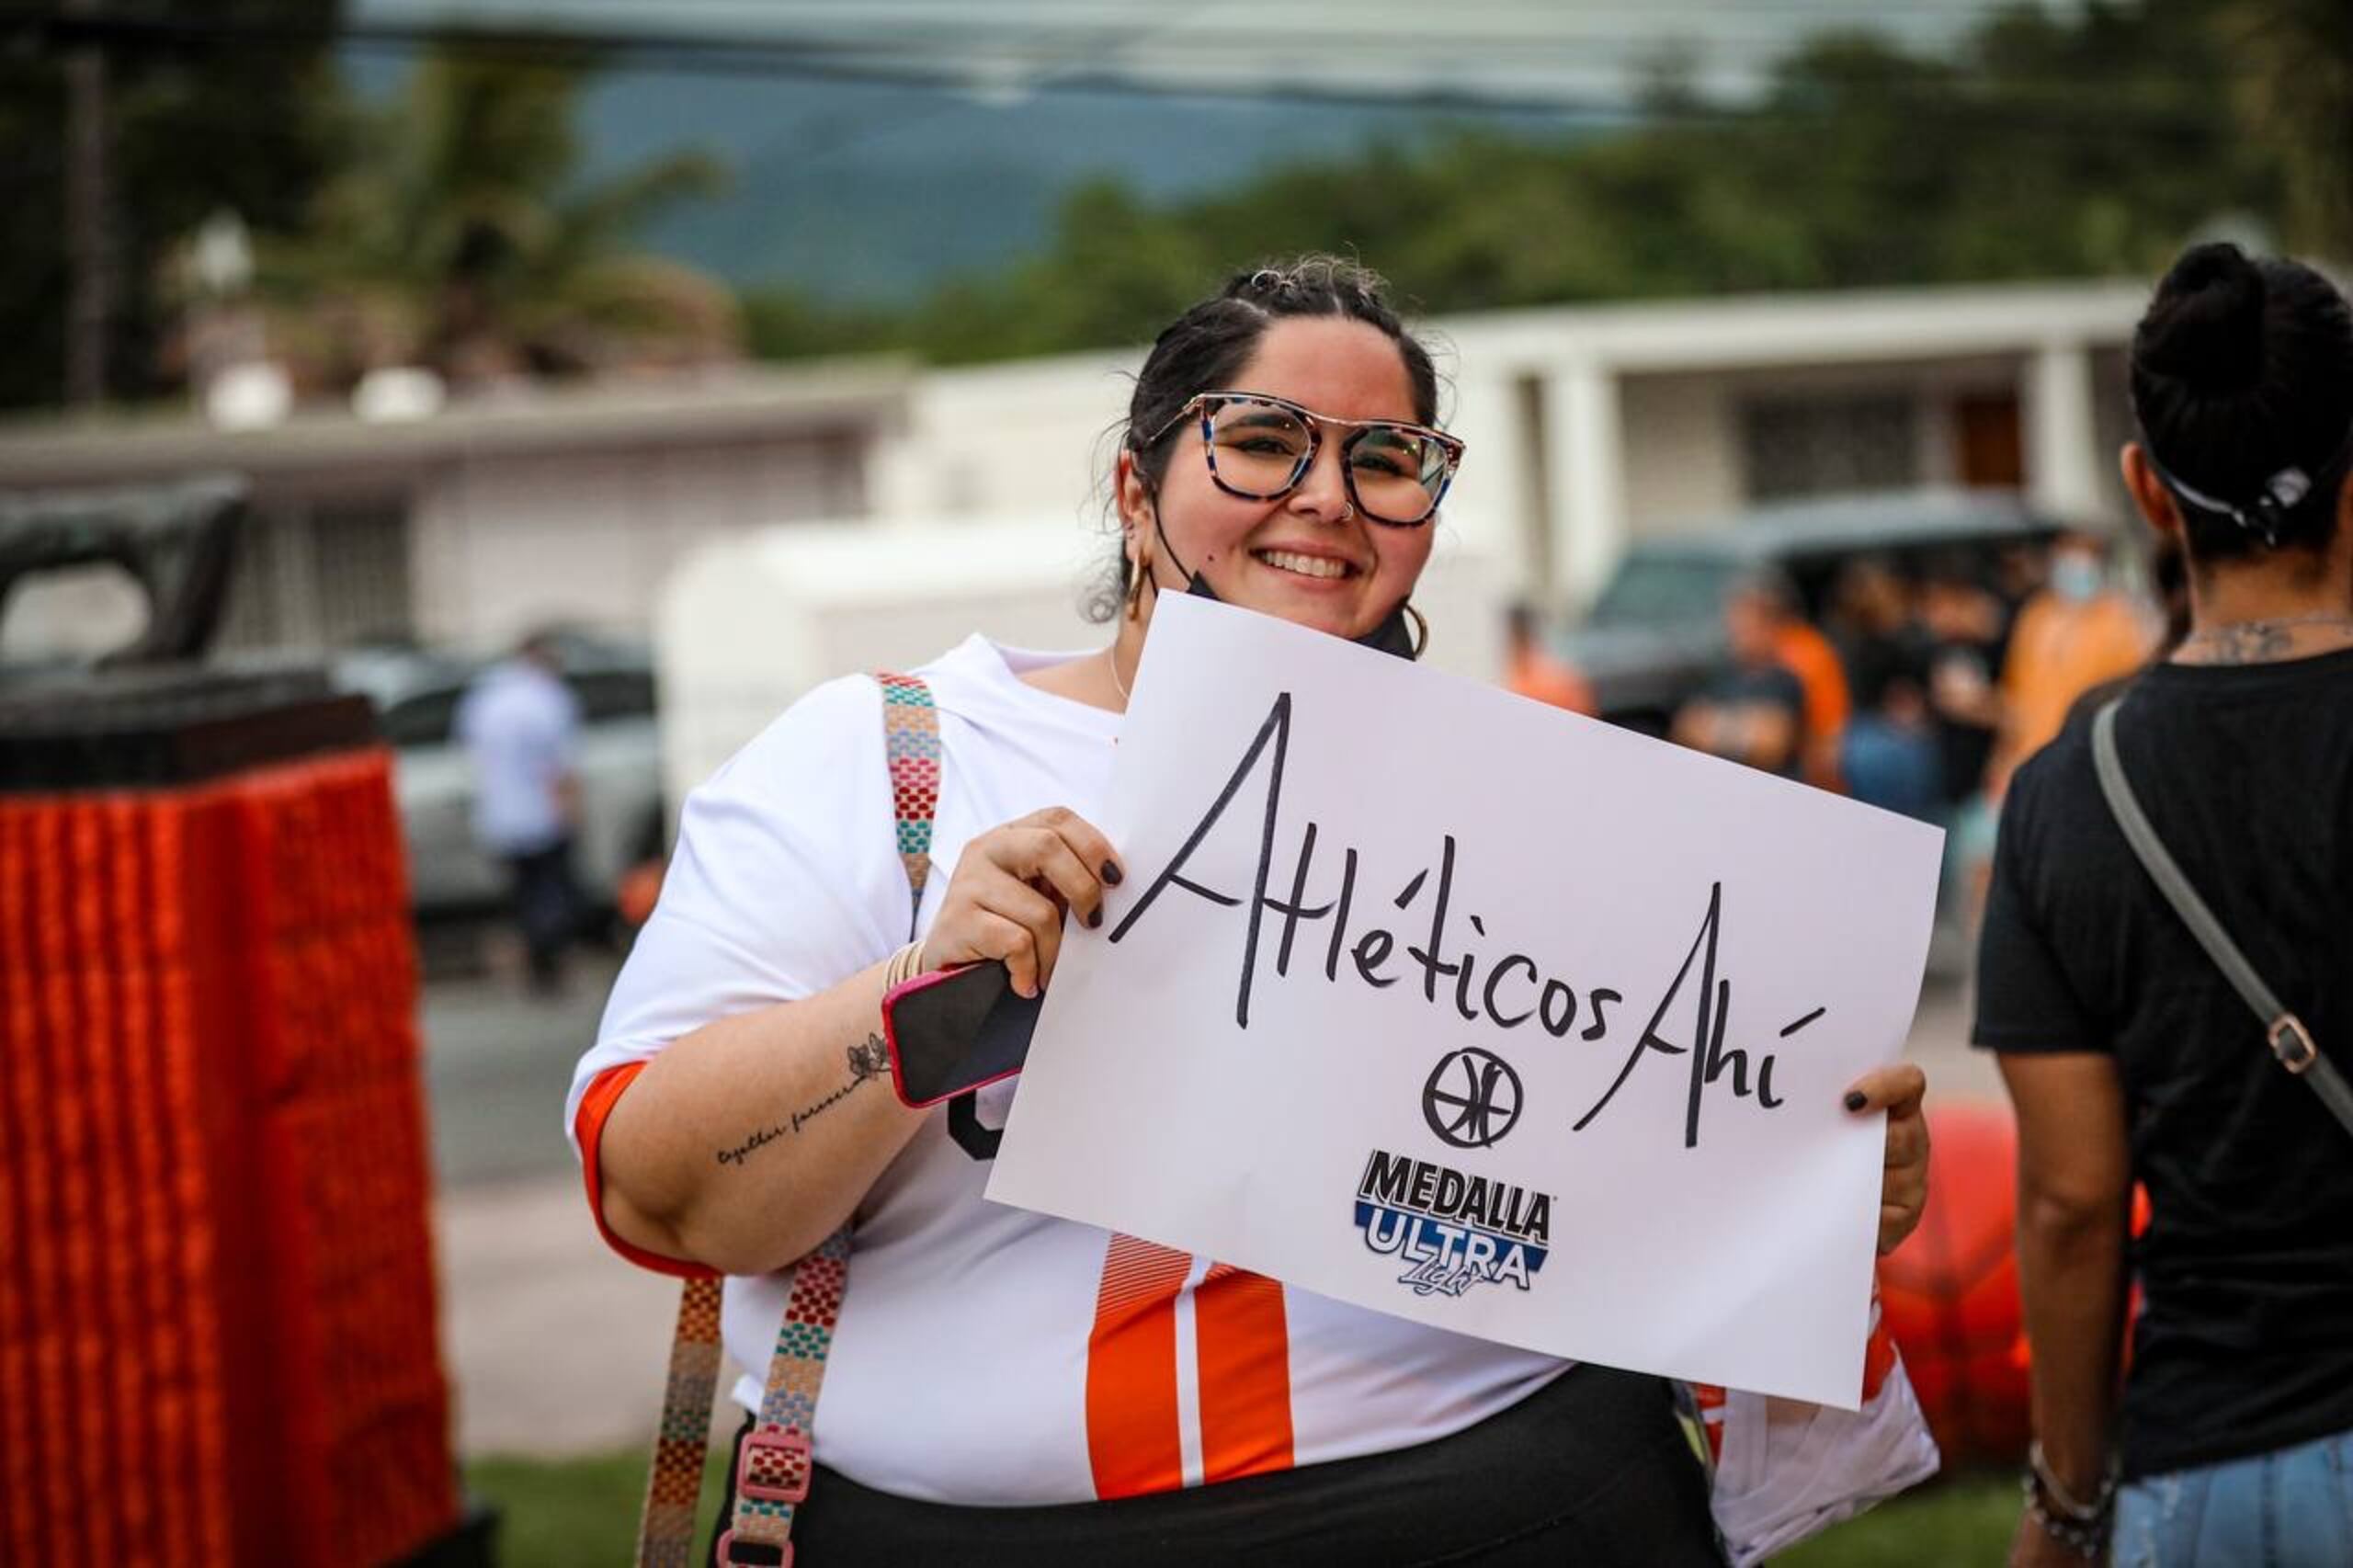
point(867, 1061)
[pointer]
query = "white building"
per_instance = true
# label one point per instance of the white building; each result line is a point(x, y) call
point(469, 526)
point(1591, 426)
point(1588, 427)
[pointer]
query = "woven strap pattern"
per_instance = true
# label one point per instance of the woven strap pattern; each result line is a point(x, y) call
point(789, 1407)
point(776, 1453)
point(666, 1529)
point(911, 746)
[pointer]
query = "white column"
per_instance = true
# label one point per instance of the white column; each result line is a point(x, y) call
point(1484, 507)
point(1585, 467)
point(2063, 456)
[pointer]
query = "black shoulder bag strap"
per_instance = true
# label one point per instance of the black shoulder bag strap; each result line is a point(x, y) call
point(2290, 1042)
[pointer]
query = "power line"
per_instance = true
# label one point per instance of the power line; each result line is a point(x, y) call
point(1064, 65)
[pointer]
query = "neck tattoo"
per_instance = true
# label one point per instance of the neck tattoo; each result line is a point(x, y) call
point(2259, 642)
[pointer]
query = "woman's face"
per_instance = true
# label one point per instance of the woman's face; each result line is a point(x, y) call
point(1307, 556)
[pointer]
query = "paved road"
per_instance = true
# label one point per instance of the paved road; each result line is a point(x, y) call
point(556, 1346)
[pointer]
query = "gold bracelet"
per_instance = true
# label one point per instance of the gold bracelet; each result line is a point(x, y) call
point(904, 965)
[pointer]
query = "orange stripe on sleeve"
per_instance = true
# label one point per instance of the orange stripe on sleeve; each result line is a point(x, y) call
point(1243, 1345)
point(1131, 1438)
point(595, 1106)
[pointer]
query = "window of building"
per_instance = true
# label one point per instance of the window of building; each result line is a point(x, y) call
point(1827, 445)
point(320, 573)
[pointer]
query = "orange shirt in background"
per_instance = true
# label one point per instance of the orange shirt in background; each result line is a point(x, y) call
point(1807, 654)
point(2060, 651)
point(1537, 674)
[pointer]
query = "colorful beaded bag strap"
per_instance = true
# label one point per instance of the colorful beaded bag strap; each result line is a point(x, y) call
point(774, 1462)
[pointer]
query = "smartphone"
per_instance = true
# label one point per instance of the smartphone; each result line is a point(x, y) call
point(956, 1029)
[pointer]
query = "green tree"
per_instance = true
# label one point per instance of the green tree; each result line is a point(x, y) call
point(461, 236)
point(2296, 88)
point(195, 124)
point(2049, 144)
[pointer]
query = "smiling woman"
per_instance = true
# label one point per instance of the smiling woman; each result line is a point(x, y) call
point(1089, 1397)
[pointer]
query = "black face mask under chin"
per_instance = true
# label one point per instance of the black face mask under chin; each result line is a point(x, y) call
point(1393, 635)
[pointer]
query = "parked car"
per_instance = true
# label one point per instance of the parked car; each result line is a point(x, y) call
point(1655, 634)
point(416, 693)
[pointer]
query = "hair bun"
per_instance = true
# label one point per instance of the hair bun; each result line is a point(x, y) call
point(2206, 325)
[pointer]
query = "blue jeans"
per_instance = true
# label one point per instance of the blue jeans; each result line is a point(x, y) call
point(1891, 766)
point(2289, 1509)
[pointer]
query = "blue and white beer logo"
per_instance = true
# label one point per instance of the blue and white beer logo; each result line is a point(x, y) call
point(1452, 1230)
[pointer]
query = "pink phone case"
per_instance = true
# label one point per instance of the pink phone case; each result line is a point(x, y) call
point(899, 993)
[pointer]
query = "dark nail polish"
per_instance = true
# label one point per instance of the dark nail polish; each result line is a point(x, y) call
point(1857, 1100)
point(1110, 875)
point(1095, 918)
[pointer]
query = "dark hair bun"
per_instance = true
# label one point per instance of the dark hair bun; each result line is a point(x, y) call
point(2205, 327)
point(1315, 280)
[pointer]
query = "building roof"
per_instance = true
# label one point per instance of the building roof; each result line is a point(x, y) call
point(1818, 329)
point(735, 404)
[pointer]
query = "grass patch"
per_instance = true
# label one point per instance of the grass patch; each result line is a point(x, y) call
point(579, 1513)
point(582, 1514)
point(1965, 1520)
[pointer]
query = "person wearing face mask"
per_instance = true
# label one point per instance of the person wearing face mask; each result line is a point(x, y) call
point(1001, 1386)
point(2134, 1056)
point(2077, 632)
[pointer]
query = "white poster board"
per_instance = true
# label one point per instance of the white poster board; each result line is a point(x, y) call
point(1424, 997)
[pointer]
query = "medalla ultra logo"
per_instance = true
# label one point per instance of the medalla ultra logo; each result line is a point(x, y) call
point(1452, 1230)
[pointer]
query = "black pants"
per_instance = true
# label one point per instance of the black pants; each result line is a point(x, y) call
point(1593, 1468)
point(548, 907)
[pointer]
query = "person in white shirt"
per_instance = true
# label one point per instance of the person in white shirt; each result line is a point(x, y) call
point(1002, 1386)
point(520, 726)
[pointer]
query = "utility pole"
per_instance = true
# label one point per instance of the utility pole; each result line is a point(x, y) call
point(89, 238)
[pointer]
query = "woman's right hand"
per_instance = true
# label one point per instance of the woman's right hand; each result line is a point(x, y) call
point(1011, 887)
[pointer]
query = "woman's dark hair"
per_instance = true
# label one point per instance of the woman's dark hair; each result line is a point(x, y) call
point(1203, 349)
point(2241, 376)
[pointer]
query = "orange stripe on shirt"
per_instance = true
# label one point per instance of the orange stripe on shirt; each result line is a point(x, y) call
point(1243, 1346)
point(1131, 1437)
point(595, 1106)
point(1880, 1354)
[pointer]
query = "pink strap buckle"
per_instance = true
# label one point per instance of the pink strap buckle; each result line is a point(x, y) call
point(724, 1550)
point(773, 1465)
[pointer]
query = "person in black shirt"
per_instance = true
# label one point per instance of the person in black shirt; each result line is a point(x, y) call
point(1754, 709)
point(1888, 753)
point(2128, 1056)
point(1968, 629)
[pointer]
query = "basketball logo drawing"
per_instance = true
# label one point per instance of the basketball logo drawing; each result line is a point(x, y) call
point(1472, 1099)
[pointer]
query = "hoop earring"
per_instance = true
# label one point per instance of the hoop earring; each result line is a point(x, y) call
point(1421, 629)
point(1135, 602)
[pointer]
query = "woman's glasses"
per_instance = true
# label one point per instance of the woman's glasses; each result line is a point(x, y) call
point(1260, 448)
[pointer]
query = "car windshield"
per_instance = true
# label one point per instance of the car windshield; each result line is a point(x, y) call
point(423, 720)
point(1649, 590)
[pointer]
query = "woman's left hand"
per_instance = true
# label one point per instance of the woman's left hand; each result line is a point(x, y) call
point(1898, 1090)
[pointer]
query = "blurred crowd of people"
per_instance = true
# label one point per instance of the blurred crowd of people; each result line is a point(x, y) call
point(1914, 687)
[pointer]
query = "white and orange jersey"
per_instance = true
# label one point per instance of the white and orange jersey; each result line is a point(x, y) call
point(989, 1355)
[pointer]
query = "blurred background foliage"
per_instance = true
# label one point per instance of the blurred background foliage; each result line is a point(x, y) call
point(458, 232)
point(2049, 147)
point(455, 224)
